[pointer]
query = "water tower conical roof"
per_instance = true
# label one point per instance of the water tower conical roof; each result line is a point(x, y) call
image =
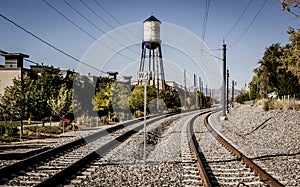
point(152, 18)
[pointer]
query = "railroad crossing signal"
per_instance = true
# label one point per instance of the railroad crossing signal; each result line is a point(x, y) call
point(143, 75)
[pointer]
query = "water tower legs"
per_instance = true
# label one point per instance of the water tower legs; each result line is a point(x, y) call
point(155, 64)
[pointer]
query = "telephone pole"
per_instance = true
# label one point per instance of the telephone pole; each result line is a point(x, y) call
point(184, 80)
point(200, 98)
point(232, 97)
point(224, 117)
point(195, 87)
point(227, 95)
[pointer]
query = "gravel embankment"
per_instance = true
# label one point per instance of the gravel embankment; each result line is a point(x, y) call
point(270, 138)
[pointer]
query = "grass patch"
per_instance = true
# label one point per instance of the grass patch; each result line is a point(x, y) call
point(18, 123)
point(275, 104)
point(42, 129)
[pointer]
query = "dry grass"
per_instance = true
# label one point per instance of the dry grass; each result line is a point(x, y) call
point(277, 104)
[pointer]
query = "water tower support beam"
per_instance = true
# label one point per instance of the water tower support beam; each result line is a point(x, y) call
point(161, 68)
point(153, 68)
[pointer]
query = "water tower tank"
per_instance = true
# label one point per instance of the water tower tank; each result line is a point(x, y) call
point(152, 30)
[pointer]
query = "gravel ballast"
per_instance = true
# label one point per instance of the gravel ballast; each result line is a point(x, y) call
point(270, 138)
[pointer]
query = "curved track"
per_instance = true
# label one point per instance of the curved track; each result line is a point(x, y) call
point(219, 162)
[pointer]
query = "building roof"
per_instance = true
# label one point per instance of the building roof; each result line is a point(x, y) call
point(5, 54)
point(152, 18)
point(112, 73)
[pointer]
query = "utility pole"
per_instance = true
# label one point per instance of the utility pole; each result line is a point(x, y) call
point(157, 81)
point(195, 87)
point(203, 101)
point(184, 80)
point(200, 98)
point(224, 117)
point(227, 94)
point(232, 97)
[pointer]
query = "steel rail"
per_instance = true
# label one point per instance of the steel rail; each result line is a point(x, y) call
point(194, 146)
point(64, 175)
point(9, 172)
point(263, 175)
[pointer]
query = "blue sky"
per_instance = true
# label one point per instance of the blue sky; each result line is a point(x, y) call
point(36, 16)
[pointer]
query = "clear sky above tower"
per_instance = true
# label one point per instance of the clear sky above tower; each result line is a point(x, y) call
point(262, 24)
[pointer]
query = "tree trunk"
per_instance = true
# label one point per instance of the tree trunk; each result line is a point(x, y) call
point(21, 129)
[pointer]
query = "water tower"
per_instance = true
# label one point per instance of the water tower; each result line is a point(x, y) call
point(151, 58)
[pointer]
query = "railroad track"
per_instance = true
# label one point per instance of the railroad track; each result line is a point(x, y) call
point(53, 167)
point(191, 175)
point(220, 163)
point(162, 168)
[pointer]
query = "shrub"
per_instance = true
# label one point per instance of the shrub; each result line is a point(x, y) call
point(266, 105)
point(44, 129)
point(277, 104)
point(26, 132)
point(7, 138)
point(104, 120)
point(242, 98)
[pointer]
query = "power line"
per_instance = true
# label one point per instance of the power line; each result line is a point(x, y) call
point(238, 20)
point(33, 62)
point(84, 31)
point(50, 45)
point(98, 28)
point(107, 23)
point(114, 18)
point(206, 10)
point(211, 54)
point(262, 6)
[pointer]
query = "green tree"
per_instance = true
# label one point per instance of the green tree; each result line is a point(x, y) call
point(288, 83)
point(171, 99)
point(15, 102)
point(84, 92)
point(136, 99)
point(47, 85)
point(61, 104)
point(103, 97)
point(279, 70)
point(271, 62)
point(254, 88)
point(291, 55)
point(120, 98)
point(241, 98)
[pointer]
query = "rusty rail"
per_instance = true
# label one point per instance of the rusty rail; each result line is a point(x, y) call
point(194, 146)
point(263, 175)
